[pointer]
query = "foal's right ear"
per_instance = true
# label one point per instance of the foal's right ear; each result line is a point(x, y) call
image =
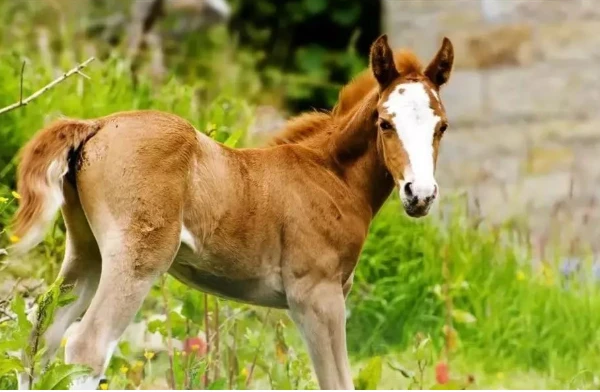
point(382, 62)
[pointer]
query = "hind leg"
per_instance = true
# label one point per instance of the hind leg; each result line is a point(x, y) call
point(81, 267)
point(130, 265)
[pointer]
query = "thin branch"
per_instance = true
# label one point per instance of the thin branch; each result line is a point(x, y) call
point(208, 345)
point(261, 338)
point(163, 288)
point(24, 102)
point(21, 93)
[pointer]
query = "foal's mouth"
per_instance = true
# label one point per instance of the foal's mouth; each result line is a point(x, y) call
point(416, 211)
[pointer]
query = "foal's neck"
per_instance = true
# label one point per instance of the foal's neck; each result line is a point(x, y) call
point(354, 151)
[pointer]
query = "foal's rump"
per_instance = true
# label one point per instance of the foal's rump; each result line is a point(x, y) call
point(119, 161)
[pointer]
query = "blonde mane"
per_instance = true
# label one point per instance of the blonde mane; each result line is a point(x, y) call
point(306, 125)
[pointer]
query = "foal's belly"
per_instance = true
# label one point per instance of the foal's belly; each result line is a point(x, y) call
point(194, 270)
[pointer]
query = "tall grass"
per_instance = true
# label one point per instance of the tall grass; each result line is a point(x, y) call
point(528, 315)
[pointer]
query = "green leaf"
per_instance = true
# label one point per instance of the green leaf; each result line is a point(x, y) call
point(193, 307)
point(421, 349)
point(311, 60)
point(10, 364)
point(221, 383)
point(369, 376)
point(159, 326)
point(234, 138)
point(60, 376)
point(346, 16)
point(463, 317)
point(315, 6)
point(18, 308)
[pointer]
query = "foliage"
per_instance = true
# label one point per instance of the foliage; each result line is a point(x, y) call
point(19, 334)
point(308, 48)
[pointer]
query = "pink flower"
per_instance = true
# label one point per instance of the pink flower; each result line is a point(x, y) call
point(195, 345)
point(442, 374)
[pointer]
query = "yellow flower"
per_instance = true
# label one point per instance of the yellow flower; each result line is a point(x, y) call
point(548, 274)
point(211, 126)
point(63, 342)
point(520, 275)
point(245, 372)
point(104, 386)
point(14, 239)
point(148, 354)
point(15, 195)
point(3, 200)
point(123, 369)
point(138, 365)
point(195, 347)
point(500, 375)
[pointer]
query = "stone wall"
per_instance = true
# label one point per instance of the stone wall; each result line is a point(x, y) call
point(523, 103)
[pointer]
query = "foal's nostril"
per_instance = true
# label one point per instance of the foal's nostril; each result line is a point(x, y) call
point(408, 190)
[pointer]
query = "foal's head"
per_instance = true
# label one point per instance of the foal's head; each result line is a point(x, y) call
point(411, 121)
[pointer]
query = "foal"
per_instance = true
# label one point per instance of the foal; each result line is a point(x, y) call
point(143, 193)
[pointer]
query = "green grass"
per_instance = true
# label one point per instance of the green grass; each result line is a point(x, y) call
point(517, 324)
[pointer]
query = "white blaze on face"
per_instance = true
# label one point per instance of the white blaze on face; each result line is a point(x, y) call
point(415, 121)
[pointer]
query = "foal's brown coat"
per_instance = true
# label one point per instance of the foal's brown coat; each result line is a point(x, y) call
point(279, 226)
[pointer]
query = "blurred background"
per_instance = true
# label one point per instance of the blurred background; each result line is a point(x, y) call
point(497, 289)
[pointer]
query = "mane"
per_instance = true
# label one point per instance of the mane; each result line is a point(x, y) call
point(302, 127)
point(307, 125)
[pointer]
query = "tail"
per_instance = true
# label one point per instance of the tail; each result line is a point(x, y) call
point(44, 163)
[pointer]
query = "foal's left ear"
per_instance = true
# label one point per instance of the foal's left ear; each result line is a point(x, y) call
point(438, 71)
point(382, 62)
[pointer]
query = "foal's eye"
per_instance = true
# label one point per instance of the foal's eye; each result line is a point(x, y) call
point(443, 128)
point(385, 125)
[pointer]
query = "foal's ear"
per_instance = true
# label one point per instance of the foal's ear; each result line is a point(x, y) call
point(382, 62)
point(438, 71)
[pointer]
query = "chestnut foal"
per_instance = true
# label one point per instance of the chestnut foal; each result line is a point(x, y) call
point(143, 193)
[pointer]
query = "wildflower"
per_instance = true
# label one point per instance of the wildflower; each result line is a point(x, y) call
point(63, 342)
point(596, 271)
point(3, 200)
point(195, 345)
point(500, 376)
point(548, 274)
point(104, 386)
point(520, 275)
point(15, 195)
point(148, 355)
point(123, 369)
point(14, 239)
point(442, 375)
point(245, 372)
point(570, 267)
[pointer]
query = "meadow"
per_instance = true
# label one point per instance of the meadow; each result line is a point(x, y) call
point(448, 301)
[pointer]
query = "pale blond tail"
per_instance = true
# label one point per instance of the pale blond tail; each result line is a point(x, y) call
point(44, 163)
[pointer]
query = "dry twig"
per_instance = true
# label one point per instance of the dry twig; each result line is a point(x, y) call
point(24, 102)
